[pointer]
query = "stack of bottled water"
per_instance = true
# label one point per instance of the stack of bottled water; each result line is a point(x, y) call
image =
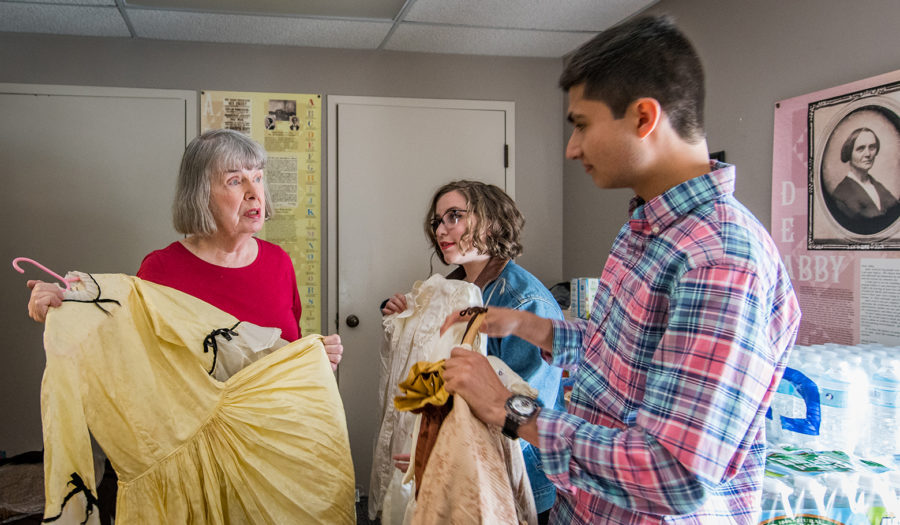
point(811, 488)
point(834, 438)
point(836, 397)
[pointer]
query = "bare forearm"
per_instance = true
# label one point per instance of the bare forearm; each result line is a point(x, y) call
point(501, 322)
point(534, 329)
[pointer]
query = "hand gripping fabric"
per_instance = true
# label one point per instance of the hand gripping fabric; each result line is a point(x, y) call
point(467, 472)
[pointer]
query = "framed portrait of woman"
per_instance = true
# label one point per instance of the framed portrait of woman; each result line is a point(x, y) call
point(854, 171)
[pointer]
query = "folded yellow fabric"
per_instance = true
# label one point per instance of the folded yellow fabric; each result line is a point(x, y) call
point(423, 386)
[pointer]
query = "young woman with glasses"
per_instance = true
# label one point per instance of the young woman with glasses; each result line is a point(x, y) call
point(477, 227)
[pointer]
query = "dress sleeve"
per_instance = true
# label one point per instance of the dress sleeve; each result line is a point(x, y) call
point(709, 383)
point(165, 306)
point(68, 461)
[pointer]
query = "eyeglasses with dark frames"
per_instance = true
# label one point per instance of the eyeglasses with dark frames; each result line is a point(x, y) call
point(450, 218)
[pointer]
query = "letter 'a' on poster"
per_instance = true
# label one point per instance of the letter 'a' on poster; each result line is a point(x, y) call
point(289, 126)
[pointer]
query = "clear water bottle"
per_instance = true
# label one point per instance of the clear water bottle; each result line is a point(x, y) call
point(861, 406)
point(872, 358)
point(784, 402)
point(795, 405)
point(878, 500)
point(808, 497)
point(881, 354)
point(773, 418)
point(776, 505)
point(884, 437)
point(894, 483)
point(843, 499)
point(829, 355)
point(812, 366)
point(843, 393)
point(807, 407)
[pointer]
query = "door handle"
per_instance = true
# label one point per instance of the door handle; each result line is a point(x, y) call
point(352, 321)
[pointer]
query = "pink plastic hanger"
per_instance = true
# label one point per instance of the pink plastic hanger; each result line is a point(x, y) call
point(65, 281)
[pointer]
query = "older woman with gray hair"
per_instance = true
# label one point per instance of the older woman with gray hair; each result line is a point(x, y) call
point(221, 203)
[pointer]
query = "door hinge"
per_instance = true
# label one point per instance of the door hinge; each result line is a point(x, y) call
point(506, 155)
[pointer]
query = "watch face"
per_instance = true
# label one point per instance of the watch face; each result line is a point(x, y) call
point(522, 405)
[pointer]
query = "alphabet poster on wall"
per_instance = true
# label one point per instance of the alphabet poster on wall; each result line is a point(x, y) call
point(836, 209)
point(289, 128)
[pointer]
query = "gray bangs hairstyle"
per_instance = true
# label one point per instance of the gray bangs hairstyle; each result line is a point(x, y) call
point(205, 158)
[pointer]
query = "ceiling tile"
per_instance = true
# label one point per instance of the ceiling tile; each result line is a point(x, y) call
point(562, 15)
point(538, 28)
point(242, 29)
point(369, 9)
point(108, 3)
point(428, 38)
point(62, 20)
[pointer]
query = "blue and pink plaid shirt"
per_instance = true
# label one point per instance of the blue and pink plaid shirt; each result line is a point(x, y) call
point(688, 337)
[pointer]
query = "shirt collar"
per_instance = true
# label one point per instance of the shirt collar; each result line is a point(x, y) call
point(488, 275)
point(661, 211)
point(861, 180)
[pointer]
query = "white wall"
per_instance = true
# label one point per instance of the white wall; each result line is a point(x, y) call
point(755, 53)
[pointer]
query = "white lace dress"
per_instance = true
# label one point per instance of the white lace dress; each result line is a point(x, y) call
point(409, 336)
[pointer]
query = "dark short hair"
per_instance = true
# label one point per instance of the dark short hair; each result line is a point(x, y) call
point(847, 148)
point(205, 157)
point(493, 222)
point(645, 57)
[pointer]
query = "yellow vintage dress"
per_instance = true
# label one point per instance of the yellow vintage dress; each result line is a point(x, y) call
point(269, 445)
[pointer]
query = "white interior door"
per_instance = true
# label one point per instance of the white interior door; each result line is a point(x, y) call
point(389, 157)
point(90, 175)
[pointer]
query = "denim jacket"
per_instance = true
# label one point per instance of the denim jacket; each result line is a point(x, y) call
point(505, 283)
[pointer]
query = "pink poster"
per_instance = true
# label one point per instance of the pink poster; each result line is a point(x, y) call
point(836, 209)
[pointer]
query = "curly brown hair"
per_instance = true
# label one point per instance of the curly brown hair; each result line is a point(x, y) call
point(493, 223)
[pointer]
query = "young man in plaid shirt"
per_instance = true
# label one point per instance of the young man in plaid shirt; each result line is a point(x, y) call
point(691, 327)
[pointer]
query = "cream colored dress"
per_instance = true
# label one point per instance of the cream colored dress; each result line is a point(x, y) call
point(269, 445)
point(475, 475)
point(410, 336)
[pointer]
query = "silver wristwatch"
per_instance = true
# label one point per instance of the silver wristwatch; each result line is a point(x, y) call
point(519, 410)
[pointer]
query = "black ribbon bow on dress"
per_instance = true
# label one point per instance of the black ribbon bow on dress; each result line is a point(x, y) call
point(96, 300)
point(210, 342)
point(78, 486)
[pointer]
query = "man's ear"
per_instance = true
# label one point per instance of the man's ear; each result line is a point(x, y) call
point(648, 113)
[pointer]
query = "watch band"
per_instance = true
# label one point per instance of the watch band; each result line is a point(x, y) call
point(511, 427)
